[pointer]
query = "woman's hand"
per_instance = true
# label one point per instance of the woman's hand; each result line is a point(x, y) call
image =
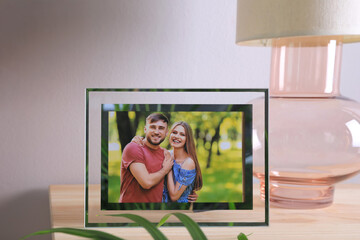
point(138, 140)
point(193, 197)
point(168, 161)
point(167, 154)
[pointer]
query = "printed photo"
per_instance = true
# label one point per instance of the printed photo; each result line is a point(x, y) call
point(158, 157)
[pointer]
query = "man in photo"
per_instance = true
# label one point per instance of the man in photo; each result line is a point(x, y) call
point(143, 168)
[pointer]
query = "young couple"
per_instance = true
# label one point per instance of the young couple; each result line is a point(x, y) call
point(150, 173)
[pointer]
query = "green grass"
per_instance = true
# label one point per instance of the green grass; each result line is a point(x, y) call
point(114, 189)
point(222, 182)
point(114, 177)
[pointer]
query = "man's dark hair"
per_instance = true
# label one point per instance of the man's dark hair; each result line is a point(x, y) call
point(154, 117)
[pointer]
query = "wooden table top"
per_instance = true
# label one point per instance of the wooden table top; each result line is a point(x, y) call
point(339, 221)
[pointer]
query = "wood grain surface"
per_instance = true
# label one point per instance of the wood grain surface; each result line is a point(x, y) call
point(339, 221)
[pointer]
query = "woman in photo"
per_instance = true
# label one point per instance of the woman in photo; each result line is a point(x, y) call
point(185, 175)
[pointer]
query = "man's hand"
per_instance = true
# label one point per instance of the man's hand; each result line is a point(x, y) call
point(168, 161)
point(138, 140)
point(193, 197)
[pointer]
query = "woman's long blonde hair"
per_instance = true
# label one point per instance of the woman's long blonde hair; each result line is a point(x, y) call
point(191, 151)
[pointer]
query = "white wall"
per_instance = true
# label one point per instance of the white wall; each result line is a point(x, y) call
point(50, 51)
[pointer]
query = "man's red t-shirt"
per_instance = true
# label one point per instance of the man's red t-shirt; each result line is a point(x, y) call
point(131, 190)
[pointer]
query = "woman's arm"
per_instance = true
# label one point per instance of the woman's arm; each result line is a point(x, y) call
point(175, 191)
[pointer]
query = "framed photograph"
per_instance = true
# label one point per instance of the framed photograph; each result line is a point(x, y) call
point(155, 151)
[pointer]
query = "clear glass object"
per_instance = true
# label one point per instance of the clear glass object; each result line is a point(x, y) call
point(314, 133)
point(254, 211)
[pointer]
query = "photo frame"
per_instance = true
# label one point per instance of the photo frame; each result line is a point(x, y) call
point(221, 117)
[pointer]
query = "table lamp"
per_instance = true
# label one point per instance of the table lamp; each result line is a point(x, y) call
point(314, 132)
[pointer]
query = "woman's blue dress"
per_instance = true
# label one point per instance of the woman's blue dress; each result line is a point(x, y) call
point(184, 177)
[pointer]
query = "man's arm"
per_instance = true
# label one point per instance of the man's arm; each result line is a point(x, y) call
point(148, 180)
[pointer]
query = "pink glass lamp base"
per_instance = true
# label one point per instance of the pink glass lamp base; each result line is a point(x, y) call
point(314, 132)
point(299, 196)
point(308, 153)
point(302, 189)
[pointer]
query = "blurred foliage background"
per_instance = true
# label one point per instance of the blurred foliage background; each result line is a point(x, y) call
point(218, 137)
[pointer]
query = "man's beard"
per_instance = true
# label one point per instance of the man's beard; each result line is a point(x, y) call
point(155, 144)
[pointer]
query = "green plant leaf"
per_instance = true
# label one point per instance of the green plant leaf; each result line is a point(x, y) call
point(154, 232)
point(87, 233)
point(163, 220)
point(193, 228)
point(242, 236)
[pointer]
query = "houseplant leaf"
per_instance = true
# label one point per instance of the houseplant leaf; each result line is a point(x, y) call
point(154, 232)
point(242, 236)
point(193, 228)
point(88, 233)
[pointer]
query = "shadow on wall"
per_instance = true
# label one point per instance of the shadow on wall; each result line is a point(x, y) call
point(27, 213)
